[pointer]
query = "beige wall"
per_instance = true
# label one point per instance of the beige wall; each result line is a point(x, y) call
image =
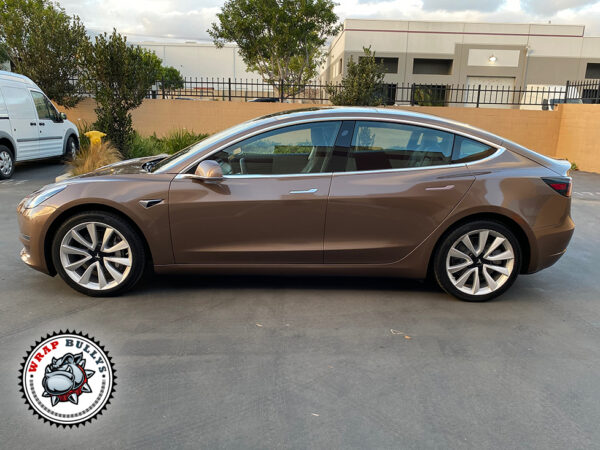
point(570, 132)
point(579, 136)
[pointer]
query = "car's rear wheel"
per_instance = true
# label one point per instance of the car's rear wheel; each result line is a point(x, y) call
point(99, 254)
point(478, 261)
point(7, 163)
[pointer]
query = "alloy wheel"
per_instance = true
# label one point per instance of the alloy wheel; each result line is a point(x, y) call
point(72, 149)
point(96, 256)
point(480, 262)
point(6, 163)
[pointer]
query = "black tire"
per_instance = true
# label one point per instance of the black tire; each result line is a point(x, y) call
point(7, 162)
point(136, 245)
point(71, 149)
point(450, 238)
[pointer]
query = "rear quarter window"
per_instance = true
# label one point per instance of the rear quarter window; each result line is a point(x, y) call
point(468, 150)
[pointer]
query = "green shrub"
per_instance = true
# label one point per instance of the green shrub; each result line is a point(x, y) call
point(179, 139)
point(141, 146)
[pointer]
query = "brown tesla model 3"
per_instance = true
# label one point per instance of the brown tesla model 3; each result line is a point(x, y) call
point(352, 191)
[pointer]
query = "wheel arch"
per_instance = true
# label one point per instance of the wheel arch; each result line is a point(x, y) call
point(7, 141)
point(505, 220)
point(78, 209)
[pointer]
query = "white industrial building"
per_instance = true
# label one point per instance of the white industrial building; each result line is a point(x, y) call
point(442, 53)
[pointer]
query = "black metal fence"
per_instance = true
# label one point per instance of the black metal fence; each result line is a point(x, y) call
point(469, 95)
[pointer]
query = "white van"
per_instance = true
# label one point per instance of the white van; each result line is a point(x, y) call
point(30, 125)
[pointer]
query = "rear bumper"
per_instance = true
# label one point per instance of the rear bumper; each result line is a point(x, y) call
point(552, 243)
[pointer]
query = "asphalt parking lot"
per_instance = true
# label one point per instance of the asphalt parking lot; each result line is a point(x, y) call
point(265, 362)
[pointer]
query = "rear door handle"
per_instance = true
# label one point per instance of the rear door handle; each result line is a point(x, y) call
point(440, 188)
point(307, 191)
point(33, 124)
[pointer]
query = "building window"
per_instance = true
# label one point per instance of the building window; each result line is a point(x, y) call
point(592, 70)
point(427, 66)
point(340, 66)
point(390, 65)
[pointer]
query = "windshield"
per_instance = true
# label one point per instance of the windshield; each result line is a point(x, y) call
point(187, 153)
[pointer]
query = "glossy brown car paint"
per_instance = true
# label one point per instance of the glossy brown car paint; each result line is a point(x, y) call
point(373, 223)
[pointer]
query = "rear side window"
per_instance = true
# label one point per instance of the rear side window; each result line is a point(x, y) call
point(386, 145)
point(19, 103)
point(468, 150)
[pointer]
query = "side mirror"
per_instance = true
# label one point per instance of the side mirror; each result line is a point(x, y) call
point(209, 171)
point(62, 116)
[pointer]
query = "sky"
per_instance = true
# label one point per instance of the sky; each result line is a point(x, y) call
point(189, 19)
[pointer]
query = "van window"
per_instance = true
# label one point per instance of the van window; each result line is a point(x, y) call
point(18, 102)
point(44, 108)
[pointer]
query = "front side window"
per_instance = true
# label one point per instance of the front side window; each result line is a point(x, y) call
point(383, 145)
point(306, 148)
point(44, 108)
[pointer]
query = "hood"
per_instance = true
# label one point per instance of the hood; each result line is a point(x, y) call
point(130, 166)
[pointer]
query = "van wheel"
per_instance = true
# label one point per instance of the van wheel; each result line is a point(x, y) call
point(71, 150)
point(478, 261)
point(7, 163)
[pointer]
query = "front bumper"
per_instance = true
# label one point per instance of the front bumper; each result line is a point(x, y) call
point(33, 226)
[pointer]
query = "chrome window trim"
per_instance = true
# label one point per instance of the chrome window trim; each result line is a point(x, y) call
point(499, 149)
point(497, 153)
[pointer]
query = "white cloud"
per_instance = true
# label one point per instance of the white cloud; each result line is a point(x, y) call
point(189, 19)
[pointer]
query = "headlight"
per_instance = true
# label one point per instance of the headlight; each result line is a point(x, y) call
point(38, 197)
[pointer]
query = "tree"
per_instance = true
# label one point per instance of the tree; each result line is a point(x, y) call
point(362, 85)
point(170, 78)
point(43, 42)
point(282, 40)
point(119, 76)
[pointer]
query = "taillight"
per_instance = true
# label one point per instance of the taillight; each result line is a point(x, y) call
point(562, 185)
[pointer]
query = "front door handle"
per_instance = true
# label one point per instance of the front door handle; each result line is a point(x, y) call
point(307, 191)
point(42, 124)
point(440, 188)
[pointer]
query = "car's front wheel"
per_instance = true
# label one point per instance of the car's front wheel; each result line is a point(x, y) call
point(71, 149)
point(478, 261)
point(99, 254)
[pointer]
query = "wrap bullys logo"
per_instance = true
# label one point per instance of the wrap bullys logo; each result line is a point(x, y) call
point(67, 378)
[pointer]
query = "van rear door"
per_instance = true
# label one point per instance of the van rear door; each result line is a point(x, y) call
point(23, 121)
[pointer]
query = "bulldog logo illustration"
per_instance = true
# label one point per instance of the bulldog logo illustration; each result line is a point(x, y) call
point(67, 378)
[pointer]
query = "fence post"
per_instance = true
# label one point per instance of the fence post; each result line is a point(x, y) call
point(412, 94)
point(162, 87)
point(478, 95)
point(281, 91)
point(567, 92)
point(229, 85)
